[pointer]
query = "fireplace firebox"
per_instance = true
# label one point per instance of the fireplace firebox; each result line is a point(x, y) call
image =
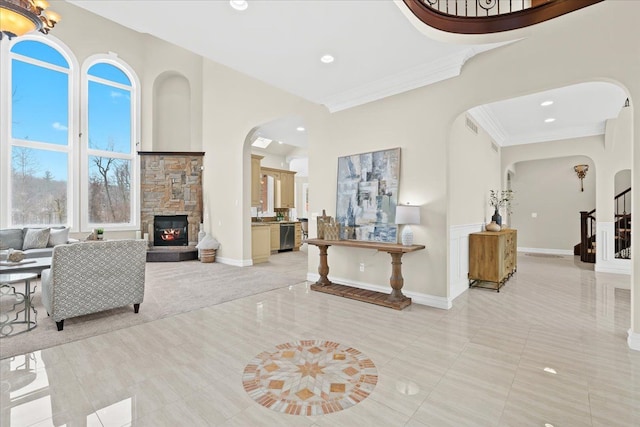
point(170, 230)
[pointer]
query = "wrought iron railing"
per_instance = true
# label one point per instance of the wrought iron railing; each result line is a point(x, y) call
point(588, 236)
point(490, 16)
point(622, 216)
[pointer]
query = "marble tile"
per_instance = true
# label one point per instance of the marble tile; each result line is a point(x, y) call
point(482, 363)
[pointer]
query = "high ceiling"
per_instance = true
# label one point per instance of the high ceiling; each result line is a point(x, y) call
point(377, 52)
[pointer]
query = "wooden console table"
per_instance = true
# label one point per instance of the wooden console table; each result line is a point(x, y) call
point(393, 300)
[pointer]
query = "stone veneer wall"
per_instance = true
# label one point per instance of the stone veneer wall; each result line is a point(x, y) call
point(171, 184)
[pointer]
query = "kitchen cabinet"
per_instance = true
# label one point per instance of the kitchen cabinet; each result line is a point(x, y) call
point(256, 178)
point(284, 184)
point(287, 192)
point(275, 236)
point(260, 243)
point(492, 257)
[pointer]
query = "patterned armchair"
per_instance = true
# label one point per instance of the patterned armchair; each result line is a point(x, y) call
point(91, 277)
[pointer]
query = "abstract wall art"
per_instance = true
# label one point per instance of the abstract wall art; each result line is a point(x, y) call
point(367, 195)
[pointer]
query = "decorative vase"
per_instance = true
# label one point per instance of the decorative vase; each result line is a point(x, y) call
point(492, 226)
point(201, 235)
point(496, 217)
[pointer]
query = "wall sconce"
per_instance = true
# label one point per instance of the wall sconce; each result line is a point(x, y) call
point(581, 170)
point(406, 215)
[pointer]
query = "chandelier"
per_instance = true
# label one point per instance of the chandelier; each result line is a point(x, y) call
point(19, 17)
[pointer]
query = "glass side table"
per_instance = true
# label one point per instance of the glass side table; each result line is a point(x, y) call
point(15, 307)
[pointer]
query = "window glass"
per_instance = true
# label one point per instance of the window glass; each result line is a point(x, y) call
point(37, 50)
point(38, 186)
point(109, 72)
point(109, 123)
point(40, 112)
point(109, 190)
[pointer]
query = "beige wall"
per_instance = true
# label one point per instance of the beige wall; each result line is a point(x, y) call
point(551, 189)
point(474, 170)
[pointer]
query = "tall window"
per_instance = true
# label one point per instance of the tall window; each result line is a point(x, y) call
point(39, 146)
point(52, 170)
point(109, 144)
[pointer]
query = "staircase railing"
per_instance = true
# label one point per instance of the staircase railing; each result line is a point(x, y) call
point(623, 225)
point(490, 16)
point(588, 236)
point(587, 246)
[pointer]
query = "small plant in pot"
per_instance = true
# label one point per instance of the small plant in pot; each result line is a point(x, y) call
point(99, 233)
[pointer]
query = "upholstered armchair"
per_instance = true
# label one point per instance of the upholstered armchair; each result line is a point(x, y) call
point(91, 277)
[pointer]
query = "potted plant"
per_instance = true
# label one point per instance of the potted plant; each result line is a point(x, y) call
point(99, 233)
point(498, 200)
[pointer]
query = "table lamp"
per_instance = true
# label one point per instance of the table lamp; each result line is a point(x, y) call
point(406, 215)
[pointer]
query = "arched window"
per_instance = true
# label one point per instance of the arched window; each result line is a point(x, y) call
point(39, 145)
point(109, 144)
point(52, 170)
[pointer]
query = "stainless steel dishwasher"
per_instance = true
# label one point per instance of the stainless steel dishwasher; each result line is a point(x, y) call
point(287, 235)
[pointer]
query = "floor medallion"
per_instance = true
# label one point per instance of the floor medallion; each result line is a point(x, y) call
point(310, 377)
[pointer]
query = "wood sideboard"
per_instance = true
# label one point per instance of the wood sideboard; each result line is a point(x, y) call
point(492, 257)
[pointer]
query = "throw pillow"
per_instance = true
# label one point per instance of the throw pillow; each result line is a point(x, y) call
point(36, 238)
point(11, 238)
point(58, 236)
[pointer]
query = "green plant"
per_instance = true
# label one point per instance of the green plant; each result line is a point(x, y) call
point(99, 230)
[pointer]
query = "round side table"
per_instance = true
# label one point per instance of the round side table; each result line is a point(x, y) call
point(20, 312)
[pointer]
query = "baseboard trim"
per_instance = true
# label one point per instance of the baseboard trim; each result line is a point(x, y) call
point(546, 251)
point(235, 262)
point(633, 340)
point(416, 297)
point(610, 267)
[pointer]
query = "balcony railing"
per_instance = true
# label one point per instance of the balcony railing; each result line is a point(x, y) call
point(490, 16)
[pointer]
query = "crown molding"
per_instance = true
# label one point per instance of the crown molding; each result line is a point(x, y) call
point(490, 123)
point(566, 133)
point(484, 116)
point(412, 78)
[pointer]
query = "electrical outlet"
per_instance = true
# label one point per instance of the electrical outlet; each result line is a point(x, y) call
point(362, 266)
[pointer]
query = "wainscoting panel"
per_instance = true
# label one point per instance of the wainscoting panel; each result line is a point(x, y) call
point(459, 257)
point(606, 261)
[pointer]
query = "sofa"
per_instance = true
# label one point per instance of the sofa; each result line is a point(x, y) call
point(33, 242)
point(90, 277)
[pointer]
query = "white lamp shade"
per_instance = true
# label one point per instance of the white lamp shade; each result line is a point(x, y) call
point(406, 214)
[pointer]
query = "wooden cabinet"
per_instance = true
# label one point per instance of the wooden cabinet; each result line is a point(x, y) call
point(298, 237)
point(492, 257)
point(256, 179)
point(275, 237)
point(287, 192)
point(284, 187)
point(260, 243)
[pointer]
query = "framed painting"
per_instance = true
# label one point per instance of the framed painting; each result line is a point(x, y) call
point(367, 195)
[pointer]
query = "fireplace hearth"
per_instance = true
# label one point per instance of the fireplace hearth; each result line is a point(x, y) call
point(170, 230)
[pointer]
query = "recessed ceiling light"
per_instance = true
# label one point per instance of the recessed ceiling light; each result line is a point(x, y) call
point(300, 129)
point(550, 370)
point(327, 59)
point(239, 4)
point(546, 103)
point(549, 120)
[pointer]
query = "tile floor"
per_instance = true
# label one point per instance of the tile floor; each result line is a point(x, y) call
point(549, 349)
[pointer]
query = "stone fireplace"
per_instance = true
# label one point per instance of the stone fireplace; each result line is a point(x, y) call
point(171, 186)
